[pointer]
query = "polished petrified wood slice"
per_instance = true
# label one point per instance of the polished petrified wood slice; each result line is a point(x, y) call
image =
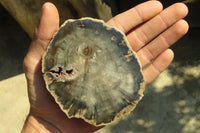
point(91, 71)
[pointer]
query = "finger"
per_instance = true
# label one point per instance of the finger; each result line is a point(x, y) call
point(49, 24)
point(158, 65)
point(135, 16)
point(162, 42)
point(145, 33)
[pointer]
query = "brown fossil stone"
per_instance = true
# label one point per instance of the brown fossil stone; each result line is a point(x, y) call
point(91, 71)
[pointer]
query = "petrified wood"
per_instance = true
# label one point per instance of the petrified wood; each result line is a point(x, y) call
point(91, 71)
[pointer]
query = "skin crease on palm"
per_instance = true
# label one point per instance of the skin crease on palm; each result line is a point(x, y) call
point(150, 31)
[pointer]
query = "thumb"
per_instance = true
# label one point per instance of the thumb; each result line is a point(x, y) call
point(48, 25)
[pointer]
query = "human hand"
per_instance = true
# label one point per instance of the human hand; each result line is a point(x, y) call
point(150, 31)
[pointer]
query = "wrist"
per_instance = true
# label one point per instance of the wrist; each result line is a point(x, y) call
point(35, 124)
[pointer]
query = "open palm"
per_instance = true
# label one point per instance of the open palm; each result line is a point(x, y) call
point(150, 31)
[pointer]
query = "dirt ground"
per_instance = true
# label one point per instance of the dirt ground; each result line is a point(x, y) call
point(171, 103)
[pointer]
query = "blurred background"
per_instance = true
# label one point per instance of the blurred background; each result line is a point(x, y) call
point(171, 103)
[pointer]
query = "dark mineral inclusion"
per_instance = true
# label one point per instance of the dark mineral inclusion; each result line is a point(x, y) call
point(91, 71)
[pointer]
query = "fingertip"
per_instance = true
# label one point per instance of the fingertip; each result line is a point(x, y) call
point(50, 14)
point(184, 26)
point(167, 55)
point(170, 54)
point(48, 4)
point(164, 60)
point(180, 28)
point(181, 8)
point(49, 21)
point(157, 4)
point(158, 65)
point(153, 6)
point(49, 7)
